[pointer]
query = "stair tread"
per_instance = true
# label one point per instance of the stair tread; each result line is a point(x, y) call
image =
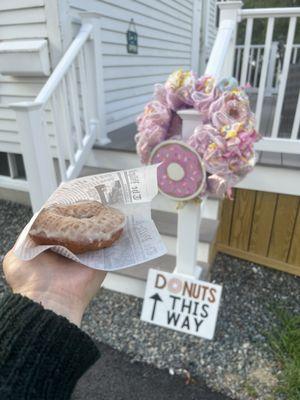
point(165, 263)
point(122, 139)
point(166, 224)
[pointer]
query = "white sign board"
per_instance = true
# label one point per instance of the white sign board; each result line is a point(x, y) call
point(181, 303)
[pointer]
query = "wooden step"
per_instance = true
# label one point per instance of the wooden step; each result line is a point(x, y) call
point(203, 251)
point(166, 223)
point(132, 280)
point(165, 263)
point(112, 160)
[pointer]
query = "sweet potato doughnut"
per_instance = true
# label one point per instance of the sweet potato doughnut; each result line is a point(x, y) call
point(80, 227)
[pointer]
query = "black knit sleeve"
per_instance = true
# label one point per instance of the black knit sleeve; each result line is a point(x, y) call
point(42, 355)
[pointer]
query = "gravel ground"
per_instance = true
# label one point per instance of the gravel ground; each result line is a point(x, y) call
point(238, 362)
point(13, 217)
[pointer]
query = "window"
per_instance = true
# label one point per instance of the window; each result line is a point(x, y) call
point(12, 165)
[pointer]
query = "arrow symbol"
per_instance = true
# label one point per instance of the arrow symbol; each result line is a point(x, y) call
point(156, 297)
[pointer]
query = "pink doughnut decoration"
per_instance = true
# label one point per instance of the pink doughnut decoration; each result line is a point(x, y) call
point(181, 174)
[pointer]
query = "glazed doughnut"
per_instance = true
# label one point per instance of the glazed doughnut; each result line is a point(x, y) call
point(80, 227)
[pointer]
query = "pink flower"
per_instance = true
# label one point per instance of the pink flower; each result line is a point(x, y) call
point(155, 113)
point(230, 108)
point(217, 185)
point(178, 90)
point(175, 126)
point(228, 156)
point(205, 93)
point(147, 140)
point(160, 94)
point(205, 137)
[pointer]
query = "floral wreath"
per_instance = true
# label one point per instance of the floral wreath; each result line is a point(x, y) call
point(224, 139)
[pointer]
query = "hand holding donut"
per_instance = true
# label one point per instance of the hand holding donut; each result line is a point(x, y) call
point(59, 284)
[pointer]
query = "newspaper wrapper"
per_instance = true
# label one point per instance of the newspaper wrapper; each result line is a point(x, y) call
point(130, 191)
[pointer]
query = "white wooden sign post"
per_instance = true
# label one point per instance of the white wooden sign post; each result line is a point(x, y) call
point(179, 301)
point(189, 216)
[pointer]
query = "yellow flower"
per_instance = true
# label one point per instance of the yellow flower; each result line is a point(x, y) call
point(231, 134)
point(208, 85)
point(186, 77)
point(231, 131)
point(212, 146)
point(148, 110)
point(177, 79)
point(225, 128)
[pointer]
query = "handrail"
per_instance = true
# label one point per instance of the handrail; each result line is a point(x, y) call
point(64, 64)
point(74, 95)
point(220, 48)
point(253, 46)
point(261, 46)
point(281, 12)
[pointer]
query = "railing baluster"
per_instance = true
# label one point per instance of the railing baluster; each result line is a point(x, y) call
point(84, 94)
point(93, 52)
point(257, 65)
point(235, 59)
point(74, 103)
point(249, 72)
point(246, 64)
point(296, 54)
point(12, 165)
point(65, 120)
point(277, 75)
point(59, 137)
point(238, 63)
point(264, 69)
point(271, 69)
point(36, 152)
point(71, 137)
point(296, 122)
point(284, 74)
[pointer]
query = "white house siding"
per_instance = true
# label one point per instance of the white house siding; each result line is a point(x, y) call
point(208, 30)
point(165, 38)
point(23, 19)
point(164, 35)
point(19, 19)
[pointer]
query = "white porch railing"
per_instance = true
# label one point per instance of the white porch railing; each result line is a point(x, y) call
point(290, 144)
point(256, 56)
point(71, 105)
point(220, 65)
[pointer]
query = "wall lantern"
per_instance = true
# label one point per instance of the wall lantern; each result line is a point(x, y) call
point(132, 38)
